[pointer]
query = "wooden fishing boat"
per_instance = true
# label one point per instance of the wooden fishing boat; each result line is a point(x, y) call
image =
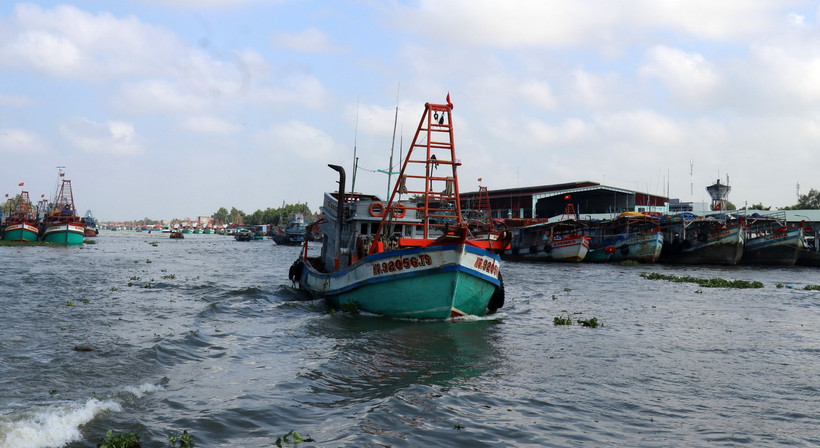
point(411, 258)
point(810, 252)
point(61, 224)
point(562, 240)
point(22, 223)
point(769, 241)
point(634, 237)
point(713, 239)
point(91, 229)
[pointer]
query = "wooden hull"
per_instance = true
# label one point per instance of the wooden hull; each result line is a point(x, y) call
point(598, 255)
point(644, 247)
point(781, 248)
point(434, 282)
point(808, 258)
point(721, 247)
point(568, 249)
point(21, 232)
point(71, 234)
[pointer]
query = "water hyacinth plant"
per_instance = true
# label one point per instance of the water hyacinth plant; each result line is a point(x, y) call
point(704, 282)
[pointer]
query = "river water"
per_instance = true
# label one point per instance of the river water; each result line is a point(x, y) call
point(143, 334)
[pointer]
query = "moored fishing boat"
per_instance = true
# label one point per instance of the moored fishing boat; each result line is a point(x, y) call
point(61, 224)
point(293, 233)
point(631, 236)
point(563, 240)
point(769, 241)
point(22, 223)
point(713, 239)
point(90, 222)
point(406, 258)
point(810, 252)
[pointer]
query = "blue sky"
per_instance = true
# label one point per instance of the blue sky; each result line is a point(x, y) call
point(174, 108)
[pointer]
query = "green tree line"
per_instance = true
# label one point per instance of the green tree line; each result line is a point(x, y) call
point(271, 216)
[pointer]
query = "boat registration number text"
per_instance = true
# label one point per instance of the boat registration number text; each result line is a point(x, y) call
point(486, 265)
point(401, 264)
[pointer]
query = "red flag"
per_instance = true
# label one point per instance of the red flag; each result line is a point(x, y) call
point(7, 195)
point(42, 195)
point(479, 179)
point(62, 174)
point(448, 100)
point(20, 184)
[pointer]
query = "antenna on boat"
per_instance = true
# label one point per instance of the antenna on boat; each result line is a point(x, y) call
point(392, 145)
point(355, 159)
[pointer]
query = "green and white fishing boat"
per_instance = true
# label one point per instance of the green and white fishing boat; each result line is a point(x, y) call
point(61, 224)
point(406, 258)
point(21, 224)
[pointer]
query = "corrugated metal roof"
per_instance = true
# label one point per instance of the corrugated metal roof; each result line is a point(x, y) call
point(550, 194)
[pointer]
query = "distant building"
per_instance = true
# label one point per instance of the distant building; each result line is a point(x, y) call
point(676, 206)
point(546, 201)
point(205, 221)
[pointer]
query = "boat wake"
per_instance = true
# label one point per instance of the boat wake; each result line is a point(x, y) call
point(58, 424)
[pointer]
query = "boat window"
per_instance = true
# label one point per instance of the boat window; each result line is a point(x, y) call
point(363, 230)
point(374, 227)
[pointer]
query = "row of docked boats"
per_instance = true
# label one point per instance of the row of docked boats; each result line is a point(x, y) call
point(54, 222)
point(418, 255)
point(721, 238)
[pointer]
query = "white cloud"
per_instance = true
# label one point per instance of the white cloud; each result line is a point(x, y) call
point(296, 138)
point(66, 41)
point(687, 76)
point(111, 138)
point(559, 23)
point(159, 95)
point(18, 141)
point(789, 72)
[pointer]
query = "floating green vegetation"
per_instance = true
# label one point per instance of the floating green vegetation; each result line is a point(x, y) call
point(148, 261)
point(561, 320)
point(114, 288)
point(183, 440)
point(124, 440)
point(704, 282)
point(630, 263)
point(592, 323)
point(292, 437)
point(69, 303)
point(812, 287)
point(779, 285)
point(28, 243)
point(169, 277)
point(352, 307)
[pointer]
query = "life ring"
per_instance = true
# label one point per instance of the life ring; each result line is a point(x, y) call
point(376, 209)
point(399, 210)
